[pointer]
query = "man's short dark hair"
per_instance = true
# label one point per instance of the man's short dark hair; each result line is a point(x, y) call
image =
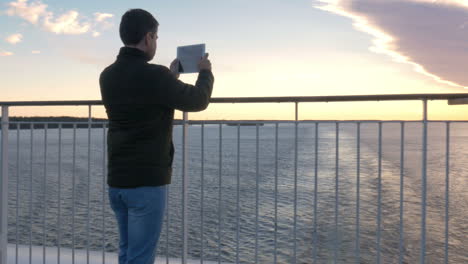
point(135, 24)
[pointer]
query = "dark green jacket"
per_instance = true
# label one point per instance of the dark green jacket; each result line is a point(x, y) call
point(140, 99)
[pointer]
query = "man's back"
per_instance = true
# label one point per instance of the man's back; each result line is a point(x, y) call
point(140, 99)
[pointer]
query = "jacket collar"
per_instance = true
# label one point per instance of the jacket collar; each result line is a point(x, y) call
point(133, 53)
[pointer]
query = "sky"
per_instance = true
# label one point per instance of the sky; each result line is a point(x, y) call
point(55, 50)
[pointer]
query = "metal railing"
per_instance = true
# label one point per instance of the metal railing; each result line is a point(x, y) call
point(185, 215)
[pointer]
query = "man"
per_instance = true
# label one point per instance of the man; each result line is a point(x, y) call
point(140, 99)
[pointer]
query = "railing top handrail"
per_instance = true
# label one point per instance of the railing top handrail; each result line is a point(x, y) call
point(284, 99)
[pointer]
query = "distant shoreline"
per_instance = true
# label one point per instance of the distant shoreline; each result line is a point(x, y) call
point(54, 122)
point(83, 122)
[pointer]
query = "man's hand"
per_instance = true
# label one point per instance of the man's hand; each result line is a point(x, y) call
point(204, 63)
point(175, 68)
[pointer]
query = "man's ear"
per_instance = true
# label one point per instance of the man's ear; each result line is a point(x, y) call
point(147, 39)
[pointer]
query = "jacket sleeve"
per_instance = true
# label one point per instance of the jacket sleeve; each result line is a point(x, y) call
point(173, 93)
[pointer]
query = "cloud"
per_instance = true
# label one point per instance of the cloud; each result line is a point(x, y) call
point(100, 17)
point(30, 12)
point(36, 52)
point(96, 34)
point(70, 22)
point(5, 53)
point(101, 20)
point(430, 35)
point(67, 23)
point(15, 38)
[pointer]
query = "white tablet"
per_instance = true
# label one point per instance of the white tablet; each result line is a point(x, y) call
point(189, 57)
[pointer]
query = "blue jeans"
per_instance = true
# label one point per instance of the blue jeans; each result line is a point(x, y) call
point(139, 212)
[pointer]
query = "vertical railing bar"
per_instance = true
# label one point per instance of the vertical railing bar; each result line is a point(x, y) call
point(167, 223)
point(185, 185)
point(4, 186)
point(219, 189)
point(73, 193)
point(45, 196)
point(88, 215)
point(276, 195)
point(424, 185)
point(379, 197)
point(103, 193)
point(447, 191)
point(257, 189)
point(238, 195)
point(31, 193)
point(168, 209)
point(335, 258)
point(358, 193)
point(18, 173)
point(59, 200)
point(315, 250)
point(402, 194)
point(202, 175)
point(296, 111)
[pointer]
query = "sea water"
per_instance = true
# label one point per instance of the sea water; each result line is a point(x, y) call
point(223, 228)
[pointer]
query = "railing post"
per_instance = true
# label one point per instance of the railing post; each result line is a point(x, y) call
point(296, 123)
point(4, 188)
point(185, 188)
point(89, 181)
point(424, 185)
